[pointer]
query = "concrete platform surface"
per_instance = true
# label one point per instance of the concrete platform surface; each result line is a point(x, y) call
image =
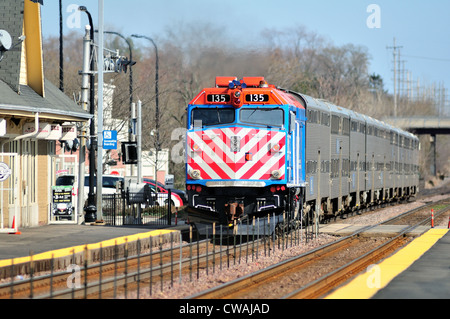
point(52, 237)
point(418, 271)
point(427, 278)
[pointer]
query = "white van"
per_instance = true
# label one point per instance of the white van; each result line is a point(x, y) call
point(109, 183)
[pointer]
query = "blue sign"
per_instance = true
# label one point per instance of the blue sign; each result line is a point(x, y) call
point(110, 140)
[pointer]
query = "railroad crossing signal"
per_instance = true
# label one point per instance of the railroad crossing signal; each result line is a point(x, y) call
point(116, 64)
point(123, 63)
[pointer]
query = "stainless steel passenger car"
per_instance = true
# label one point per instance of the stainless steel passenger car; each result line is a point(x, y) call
point(354, 161)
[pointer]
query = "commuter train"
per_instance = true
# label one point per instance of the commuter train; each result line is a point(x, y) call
point(253, 149)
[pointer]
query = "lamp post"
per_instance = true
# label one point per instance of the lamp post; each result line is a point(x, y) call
point(157, 143)
point(91, 209)
point(61, 41)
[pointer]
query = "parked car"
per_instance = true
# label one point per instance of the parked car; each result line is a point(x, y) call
point(109, 183)
point(65, 180)
point(179, 192)
point(161, 194)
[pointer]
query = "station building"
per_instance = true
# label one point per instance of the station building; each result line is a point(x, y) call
point(34, 116)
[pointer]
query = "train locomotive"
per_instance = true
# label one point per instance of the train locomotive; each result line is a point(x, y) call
point(253, 149)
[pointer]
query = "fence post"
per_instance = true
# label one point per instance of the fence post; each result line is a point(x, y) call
point(114, 210)
point(122, 193)
point(169, 207)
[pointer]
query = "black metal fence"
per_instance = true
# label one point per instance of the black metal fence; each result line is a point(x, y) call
point(146, 267)
point(128, 208)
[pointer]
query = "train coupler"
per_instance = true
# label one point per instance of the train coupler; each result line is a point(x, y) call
point(234, 211)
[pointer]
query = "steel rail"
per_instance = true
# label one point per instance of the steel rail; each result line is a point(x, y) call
point(255, 279)
point(328, 282)
point(57, 280)
point(24, 288)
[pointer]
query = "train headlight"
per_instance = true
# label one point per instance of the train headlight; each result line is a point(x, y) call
point(275, 148)
point(195, 174)
point(196, 148)
point(276, 174)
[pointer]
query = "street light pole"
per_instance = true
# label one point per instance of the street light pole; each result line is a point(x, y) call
point(61, 48)
point(157, 143)
point(91, 209)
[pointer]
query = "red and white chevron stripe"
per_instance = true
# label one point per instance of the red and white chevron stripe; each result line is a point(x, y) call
point(259, 153)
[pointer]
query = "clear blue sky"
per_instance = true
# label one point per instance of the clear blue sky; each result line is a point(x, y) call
point(422, 28)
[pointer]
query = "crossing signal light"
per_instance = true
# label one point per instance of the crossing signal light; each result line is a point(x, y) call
point(123, 63)
point(70, 145)
point(129, 152)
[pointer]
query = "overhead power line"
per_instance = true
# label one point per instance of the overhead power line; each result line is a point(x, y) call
point(427, 58)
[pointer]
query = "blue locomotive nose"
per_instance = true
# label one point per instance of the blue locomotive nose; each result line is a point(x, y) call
point(239, 156)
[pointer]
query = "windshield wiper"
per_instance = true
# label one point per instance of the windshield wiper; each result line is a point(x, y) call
point(218, 114)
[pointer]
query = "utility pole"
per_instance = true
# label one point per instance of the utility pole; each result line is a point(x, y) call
point(100, 63)
point(139, 141)
point(114, 63)
point(395, 48)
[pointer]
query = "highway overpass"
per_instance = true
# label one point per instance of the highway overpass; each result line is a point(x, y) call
point(423, 126)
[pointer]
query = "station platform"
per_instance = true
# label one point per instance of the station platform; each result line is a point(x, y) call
point(67, 244)
point(418, 271)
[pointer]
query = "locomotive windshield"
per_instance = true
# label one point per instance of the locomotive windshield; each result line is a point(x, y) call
point(212, 116)
point(263, 116)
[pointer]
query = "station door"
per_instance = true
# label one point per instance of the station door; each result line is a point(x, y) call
point(10, 208)
point(64, 197)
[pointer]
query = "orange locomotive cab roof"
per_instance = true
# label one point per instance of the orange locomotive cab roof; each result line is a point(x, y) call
point(248, 91)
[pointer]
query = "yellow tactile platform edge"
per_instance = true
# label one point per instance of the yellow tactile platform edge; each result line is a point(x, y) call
point(77, 249)
point(365, 285)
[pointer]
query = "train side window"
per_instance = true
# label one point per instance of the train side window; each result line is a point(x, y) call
point(325, 119)
point(313, 117)
point(345, 126)
point(335, 124)
point(363, 128)
point(291, 121)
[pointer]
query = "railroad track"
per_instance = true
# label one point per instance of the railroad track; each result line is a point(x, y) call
point(291, 274)
point(151, 269)
point(106, 278)
point(122, 275)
